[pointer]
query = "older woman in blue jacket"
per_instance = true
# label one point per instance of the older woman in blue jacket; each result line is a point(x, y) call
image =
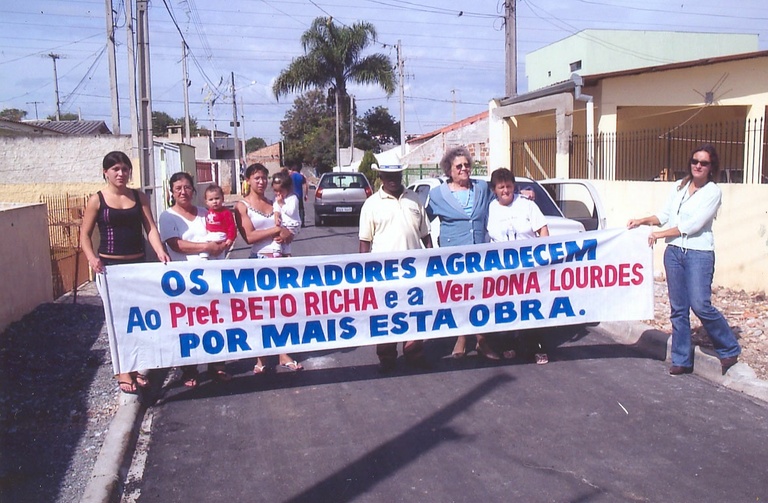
point(461, 204)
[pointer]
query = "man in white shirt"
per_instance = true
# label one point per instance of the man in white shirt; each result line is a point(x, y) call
point(393, 219)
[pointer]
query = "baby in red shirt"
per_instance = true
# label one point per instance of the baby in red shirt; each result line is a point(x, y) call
point(219, 221)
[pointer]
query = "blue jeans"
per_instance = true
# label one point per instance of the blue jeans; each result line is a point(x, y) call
point(689, 280)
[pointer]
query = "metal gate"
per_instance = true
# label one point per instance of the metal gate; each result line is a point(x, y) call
point(68, 262)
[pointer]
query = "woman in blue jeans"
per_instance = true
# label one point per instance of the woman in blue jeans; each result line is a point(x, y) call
point(689, 260)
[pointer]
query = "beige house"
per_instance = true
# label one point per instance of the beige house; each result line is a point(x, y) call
point(721, 100)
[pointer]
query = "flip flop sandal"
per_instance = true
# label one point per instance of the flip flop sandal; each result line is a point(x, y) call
point(294, 366)
point(142, 380)
point(190, 379)
point(259, 369)
point(542, 359)
point(131, 387)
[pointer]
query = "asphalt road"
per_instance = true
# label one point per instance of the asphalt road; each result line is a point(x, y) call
point(601, 422)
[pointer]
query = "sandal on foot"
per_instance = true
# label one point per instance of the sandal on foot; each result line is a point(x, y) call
point(542, 359)
point(259, 369)
point(292, 365)
point(486, 352)
point(218, 374)
point(142, 380)
point(189, 378)
point(127, 387)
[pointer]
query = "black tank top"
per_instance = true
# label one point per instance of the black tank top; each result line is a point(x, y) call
point(120, 230)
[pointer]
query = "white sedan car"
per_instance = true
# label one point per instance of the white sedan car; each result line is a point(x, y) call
point(556, 222)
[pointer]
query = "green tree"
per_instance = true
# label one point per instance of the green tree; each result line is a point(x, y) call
point(67, 116)
point(13, 114)
point(161, 121)
point(376, 128)
point(365, 168)
point(254, 143)
point(333, 57)
point(308, 132)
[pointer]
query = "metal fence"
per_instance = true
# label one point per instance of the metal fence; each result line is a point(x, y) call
point(68, 263)
point(650, 154)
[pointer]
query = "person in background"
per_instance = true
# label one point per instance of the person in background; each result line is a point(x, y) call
point(286, 210)
point(219, 222)
point(393, 219)
point(122, 215)
point(511, 217)
point(300, 188)
point(461, 204)
point(183, 230)
point(689, 260)
point(256, 222)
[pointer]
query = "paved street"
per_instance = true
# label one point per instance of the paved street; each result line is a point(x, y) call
point(601, 422)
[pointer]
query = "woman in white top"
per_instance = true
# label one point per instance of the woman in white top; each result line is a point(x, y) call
point(512, 216)
point(689, 260)
point(182, 229)
point(256, 222)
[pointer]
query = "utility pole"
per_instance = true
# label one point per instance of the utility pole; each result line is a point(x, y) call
point(133, 109)
point(34, 103)
point(54, 57)
point(146, 140)
point(242, 117)
point(402, 97)
point(338, 150)
point(187, 132)
point(453, 105)
point(510, 46)
point(351, 128)
point(112, 68)
point(234, 122)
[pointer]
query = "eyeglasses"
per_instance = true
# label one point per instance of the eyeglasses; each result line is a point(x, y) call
point(704, 164)
point(466, 165)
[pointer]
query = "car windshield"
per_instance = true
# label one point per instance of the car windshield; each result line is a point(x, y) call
point(540, 197)
point(343, 181)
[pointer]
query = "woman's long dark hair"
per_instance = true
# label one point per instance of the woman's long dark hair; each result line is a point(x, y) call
point(714, 166)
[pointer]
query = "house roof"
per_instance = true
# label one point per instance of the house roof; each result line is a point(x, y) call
point(591, 80)
point(450, 127)
point(14, 128)
point(73, 127)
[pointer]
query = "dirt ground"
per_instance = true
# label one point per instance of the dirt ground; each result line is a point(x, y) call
point(747, 314)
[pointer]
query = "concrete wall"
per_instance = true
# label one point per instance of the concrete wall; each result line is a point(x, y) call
point(26, 261)
point(741, 227)
point(32, 166)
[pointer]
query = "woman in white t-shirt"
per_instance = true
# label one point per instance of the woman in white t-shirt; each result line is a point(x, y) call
point(513, 216)
point(256, 221)
point(182, 229)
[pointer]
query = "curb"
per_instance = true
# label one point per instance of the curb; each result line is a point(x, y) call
point(657, 344)
point(107, 476)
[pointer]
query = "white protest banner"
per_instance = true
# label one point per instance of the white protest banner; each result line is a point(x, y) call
point(182, 313)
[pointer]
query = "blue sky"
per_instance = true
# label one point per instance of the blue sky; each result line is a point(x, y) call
point(453, 50)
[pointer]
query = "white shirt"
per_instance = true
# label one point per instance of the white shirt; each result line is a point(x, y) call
point(692, 215)
point(173, 225)
point(393, 224)
point(518, 220)
point(289, 213)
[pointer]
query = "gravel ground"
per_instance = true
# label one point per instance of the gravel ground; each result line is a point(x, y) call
point(57, 395)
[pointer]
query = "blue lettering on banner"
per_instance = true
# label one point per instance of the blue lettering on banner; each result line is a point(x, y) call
point(150, 320)
point(562, 305)
point(173, 283)
point(314, 330)
point(409, 271)
point(214, 342)
point(201, 286)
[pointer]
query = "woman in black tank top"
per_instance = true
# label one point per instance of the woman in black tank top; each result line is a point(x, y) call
point(122, 215)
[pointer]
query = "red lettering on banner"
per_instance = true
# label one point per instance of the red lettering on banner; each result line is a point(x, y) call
point(595, 276)
point(253, 308)
point(448, 290)
point(514, 284)
point(340, 301)
point(200, 315)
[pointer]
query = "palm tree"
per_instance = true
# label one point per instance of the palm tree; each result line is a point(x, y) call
point(333, 57)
